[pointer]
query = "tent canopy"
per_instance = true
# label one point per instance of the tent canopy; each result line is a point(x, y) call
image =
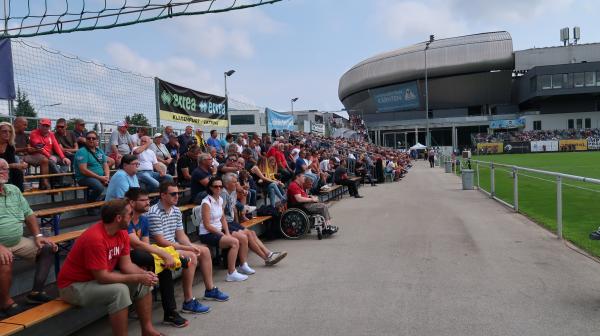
point(418, 146)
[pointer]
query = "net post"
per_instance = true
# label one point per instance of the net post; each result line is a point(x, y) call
point(492, 182)
point(516, 189)
point(559, 224)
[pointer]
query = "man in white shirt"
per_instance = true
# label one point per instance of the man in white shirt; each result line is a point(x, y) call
point(148, 164)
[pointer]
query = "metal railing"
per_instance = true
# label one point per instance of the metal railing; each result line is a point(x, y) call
point(516, 171)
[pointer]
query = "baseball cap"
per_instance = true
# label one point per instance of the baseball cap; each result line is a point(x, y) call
point(45, 122)
point(157, 135)
point(122, 123)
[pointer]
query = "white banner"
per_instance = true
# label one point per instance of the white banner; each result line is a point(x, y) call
point(593, 143)
point(544, 146)
point(317, 128)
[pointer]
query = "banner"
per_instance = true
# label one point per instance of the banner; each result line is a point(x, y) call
point(573, 145)
point(490, 148)
point(512, 123)
point(593, 143)
point(396, 97)
point(317, 128)
point(7, 82)
point(180, 104)
point(544, 146)
point(512, 147)
point(279, 121)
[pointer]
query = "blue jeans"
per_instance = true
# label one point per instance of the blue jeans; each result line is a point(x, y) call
point(95, 188)
point(251, 197)
point(152, 179)
point(273, 190)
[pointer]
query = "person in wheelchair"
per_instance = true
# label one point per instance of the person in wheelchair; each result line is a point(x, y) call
point(298, 198)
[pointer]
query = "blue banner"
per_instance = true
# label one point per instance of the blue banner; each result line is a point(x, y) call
point(279, 121)
point(7, 83)
point(396, 97)
point(512, 123)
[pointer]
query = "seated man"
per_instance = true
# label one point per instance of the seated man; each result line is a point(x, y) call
point(120, 142)
point(42, 138)
point(124, 179)
point(141, 255)
point(200, 178)
point(231, 215)
point(186, 165)
point(297, 197)
point(340, 176)
point(148, 163)
point(91, 168)
point(67, 140)
point(88, 278)
point(31, 155)
point(166, 229)
point(13, 243)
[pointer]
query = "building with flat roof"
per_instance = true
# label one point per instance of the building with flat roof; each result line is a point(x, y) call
point(472, 84)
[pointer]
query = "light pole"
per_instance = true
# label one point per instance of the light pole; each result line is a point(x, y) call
point(225, 75)
point(427, 135)
point(292, 101)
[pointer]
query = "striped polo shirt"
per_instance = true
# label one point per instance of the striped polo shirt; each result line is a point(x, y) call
point(163, 223)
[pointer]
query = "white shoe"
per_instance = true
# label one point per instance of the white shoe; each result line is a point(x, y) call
point(245, 269)
point(235, 276)
point(249, 208)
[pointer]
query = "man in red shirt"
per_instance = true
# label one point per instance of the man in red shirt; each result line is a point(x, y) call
point(297, 197)
point(88, 277)
point(44, 140)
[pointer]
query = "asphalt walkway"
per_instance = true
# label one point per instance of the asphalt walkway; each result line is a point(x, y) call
point(418, 257)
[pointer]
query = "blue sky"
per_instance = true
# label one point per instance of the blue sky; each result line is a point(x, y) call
point(300, 48)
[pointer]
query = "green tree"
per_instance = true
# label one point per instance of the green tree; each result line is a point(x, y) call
point(24, 107)
point(138, 119)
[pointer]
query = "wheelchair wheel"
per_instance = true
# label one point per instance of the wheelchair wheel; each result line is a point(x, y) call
point(294, 224)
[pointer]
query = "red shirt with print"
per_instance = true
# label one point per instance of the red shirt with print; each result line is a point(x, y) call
point(47, 143)
point(94, 250)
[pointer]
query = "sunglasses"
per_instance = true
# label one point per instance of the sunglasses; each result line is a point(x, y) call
point(60, 126)
point(137, 164)
point(91, 138)
point(217, 186)
point(174, 194)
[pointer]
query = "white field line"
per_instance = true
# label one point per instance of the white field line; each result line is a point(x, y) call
point(549, 180)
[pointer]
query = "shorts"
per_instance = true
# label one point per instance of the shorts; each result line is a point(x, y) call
point(114, 297)
point(211, 239)
point(34, 159)
point(25, 248)
point(233, 227)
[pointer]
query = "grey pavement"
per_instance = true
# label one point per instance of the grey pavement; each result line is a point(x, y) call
point(417, 257)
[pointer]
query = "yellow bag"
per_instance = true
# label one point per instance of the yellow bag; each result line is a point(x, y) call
point(159, 265)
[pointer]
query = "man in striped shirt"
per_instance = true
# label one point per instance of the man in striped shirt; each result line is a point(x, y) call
point(166, 229)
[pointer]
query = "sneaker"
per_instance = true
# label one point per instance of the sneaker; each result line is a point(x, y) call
point(250, 208)
point(245, 269)
point(357, 196)
point(38, 297)
point(216, 295)
point(235, 277)
point(13, 310)
point(194, 307)
point(175, 320)
point(275, 257)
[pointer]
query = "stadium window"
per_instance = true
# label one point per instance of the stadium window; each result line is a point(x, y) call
point(533, 84)
point(597, 78)
point(590, 79)
point(571, 124)
point(242, 119)
point(557, 81)
point(579, 123)
point(537, 125)
point(578, 79)
point(546, 82)
point(588, 123)
point(568, 81)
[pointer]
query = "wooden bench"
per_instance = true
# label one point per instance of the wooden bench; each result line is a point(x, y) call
point(33, 316)
point(65, 237)
point(39, 176)
point(52, 191)
point(9, 329)
point(255, 221)
point(332, 192)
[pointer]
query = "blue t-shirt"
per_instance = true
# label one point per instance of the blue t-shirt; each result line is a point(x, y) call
point(214, 143)
point(141, 229)
point(299, 163)
point(95, 162)
point(197, 175)
point(119, 184)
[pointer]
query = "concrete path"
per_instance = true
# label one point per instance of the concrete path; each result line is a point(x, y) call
point(418, 257)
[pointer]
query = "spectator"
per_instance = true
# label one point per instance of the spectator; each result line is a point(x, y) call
point(213, 141)
point(87, 277)
point(186, 140)
point(186, 165)
point(168, 134)
point(120, 142)
point(124, 179)
point(199, 136)
point(299, 198)
point(200, 177)
point(41, 138)
point(135, 138)
point(213, 153)
point(30, 155)
point(230, 165)
point(67, 140)
point(173, 148)
point(266, 181)
point(166, 229)
point(13, 243)
point(363, 170)
point(231, 216)
point(148, 163)
point(8, 153)
point(91, 169)
point(213, 231)
point(340, 176)
point(231, 147)
point(276, 150)
point(79, 131)
point(162, 153)
point(141, 255)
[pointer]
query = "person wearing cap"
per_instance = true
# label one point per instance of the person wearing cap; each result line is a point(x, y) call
point(67, 140)
point(199, 136)
point(79, 131)
point(91, 168)
point(120, 142)
point(186, 140)
point(148, 164)
point(162, 153)
point(44, 140)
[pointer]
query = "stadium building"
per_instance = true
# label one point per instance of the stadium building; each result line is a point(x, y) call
point(475, 84)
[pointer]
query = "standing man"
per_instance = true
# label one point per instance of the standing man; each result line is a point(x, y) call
point(87, 277)
point(120, 142)
point(185, 140)
point(166, 229)
point(42, 138)
point(431, 157)
point(167, 134)
point(213, 141)
point(12, 243)
point(91, 168)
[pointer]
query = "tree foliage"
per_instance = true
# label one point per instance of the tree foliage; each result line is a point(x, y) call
point(24, 107)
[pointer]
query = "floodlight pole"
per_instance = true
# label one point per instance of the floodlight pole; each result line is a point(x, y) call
point(427, 134)
point(225, 75)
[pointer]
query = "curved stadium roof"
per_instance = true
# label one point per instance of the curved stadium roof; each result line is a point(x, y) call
point(452, 56)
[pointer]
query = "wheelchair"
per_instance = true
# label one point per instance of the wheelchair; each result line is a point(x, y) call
point(296, 222)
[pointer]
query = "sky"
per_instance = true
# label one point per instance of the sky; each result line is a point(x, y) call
point(300, 48)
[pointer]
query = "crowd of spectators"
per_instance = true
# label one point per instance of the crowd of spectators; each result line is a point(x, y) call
point(225, 177)
point(543, 135)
